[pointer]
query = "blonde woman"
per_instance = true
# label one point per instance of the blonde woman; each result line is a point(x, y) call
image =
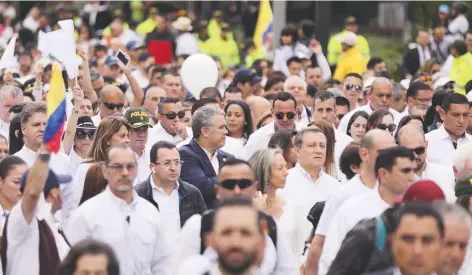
point(271, 171)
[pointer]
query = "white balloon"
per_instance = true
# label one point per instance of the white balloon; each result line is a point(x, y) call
point(198, 72)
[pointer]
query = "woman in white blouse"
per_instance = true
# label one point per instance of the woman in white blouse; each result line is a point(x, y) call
point(271, 171)
point(239, 121)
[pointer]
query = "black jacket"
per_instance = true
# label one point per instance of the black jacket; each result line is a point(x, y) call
point(365, 247)
point(190, 199)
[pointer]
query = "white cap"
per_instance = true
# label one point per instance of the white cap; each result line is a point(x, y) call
point(368, 82)
point(405, 83)
point(349, 38)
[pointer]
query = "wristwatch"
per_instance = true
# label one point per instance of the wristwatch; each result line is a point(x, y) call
point(44, 156)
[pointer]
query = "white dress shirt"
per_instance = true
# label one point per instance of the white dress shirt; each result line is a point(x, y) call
point(186, 43)
point(5, 129)
point(444, 177)
point(169, 209)
point(143, 166)
point(424, 54)
point(260, 138)
point(276, 261)
point(76, 190)
point(440, 147)
point(366, 108)
point(75, 160)
point(304, 119)
point(96, 119)
point(353, 188)
point(365, 206)
point(23, 240)
point(158, 133)
point(214, 160)
point(134, 231)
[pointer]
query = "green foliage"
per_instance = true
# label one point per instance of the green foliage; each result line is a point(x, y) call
point(390, 49)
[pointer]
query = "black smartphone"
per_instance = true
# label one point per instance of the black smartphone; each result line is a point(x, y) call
point(121, 56)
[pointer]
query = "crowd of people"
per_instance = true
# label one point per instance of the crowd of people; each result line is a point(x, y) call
point(292, 163)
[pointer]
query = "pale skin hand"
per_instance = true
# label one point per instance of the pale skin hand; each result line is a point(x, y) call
point(87, 80)
point(181, 130)
point(260, 201)
point(135, 88)
point(69, 135)
point(316, 47)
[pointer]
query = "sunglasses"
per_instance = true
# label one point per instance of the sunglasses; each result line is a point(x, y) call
point(358, 88)
point(290, 115)
point(390, 127)
point(173, 115)
point(112, 106)
point(81, 135)
point(242, 183)
point(419, 150)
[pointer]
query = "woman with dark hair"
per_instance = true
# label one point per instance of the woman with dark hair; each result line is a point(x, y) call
point(94, 184)
point(350, 160)
point(15, 135)
point(290, 46)
point(239, 121)
point(12, 169)
point(432, 119)
point(275, 84)
point(381, 119)
point(411, 119)
point(356, 126)
point(284, 140)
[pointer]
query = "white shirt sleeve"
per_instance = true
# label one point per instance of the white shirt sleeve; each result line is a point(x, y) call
point(189, 241)
point(77, 228)
point(18, 228)
point(331, 206)
point(286, 262)
point(324, 66)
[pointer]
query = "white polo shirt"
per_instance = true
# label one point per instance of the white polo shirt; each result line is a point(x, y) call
point(23, 240)
point(143, 166)
point(444, 177)
point(134, 231)
point(260, 138)
point(158, 133)
point(278, 261)
point(440, 146)
point(366, 108)
point(365, 206)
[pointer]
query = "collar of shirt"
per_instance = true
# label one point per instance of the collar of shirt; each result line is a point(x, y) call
point(159, 189)
point(443, 134)
point(306, 174)
point(121, 203)
point(140, 157)
point(208, 153)
point(28, 152)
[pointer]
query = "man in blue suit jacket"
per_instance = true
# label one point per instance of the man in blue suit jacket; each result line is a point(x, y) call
point(202, 157)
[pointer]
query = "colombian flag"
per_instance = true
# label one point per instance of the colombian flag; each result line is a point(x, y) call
point(56, 104)
point(265, 21)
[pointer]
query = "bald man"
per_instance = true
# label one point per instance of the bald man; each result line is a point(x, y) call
point(412, 137)
point(151, 99)
point(297, 87)
point(112, 101)
point(259, 108)
point(380, 96)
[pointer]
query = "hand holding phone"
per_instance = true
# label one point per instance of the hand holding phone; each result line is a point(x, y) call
point(122, 57)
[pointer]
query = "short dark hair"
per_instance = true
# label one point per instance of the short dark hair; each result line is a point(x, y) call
point(387, 158)
point(30, 109)
point(376, 118)
point(415, 87)
point(420, 209)
point(157, 69)
point(356, 75)
point(282, 139)
point(342, 101)
point(323, 96)
point(166, 100)
point(293, 59)
point(235, 162)
point(8, 163)
point(353, 118)
point(232, 90)
point(284, 96)
point(160, 145)
point(122, 146)
point(270, 97)
point(144, 56)
point(299, 137)
point(211, 92)
point(373, 62)
point(460, 46)
point(201, 103)
point(453, 98)
point(350, 156)
point(311, 90)
point(89, 247)
point(274, 79)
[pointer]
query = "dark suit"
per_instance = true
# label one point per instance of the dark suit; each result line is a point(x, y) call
point(411, 61)
point(197, 169)
point(190, 200)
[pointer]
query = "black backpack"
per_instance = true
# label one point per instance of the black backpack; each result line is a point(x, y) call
point(207, 226)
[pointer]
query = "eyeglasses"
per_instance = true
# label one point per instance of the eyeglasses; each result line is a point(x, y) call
point(358, 88)
point(168, 164)
point(81, 135)
point(112, 106)
point(419, 150)
point(120, 167)
point(390, 127)
point(290, 115)
point(173, 115)
point(231, 183)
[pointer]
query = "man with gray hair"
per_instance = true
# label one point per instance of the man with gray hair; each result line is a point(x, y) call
point(9, 95)
point(457, 225)
point(412, 137)
point(380, 96)
point(201, 156)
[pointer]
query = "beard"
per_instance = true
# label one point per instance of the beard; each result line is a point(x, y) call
point(238, 267)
